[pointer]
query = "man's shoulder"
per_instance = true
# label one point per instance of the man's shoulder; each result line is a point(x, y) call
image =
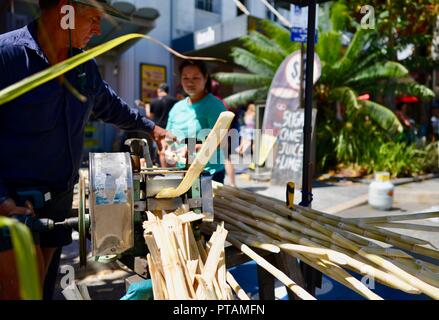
point(15, 39)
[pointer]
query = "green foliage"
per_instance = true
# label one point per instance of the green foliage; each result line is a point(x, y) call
point(399, 158)
point(339, 15)
point(361, 67)
point(26, 259)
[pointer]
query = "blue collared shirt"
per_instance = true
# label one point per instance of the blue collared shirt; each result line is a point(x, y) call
point(42, 131)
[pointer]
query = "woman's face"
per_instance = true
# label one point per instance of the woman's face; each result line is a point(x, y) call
point(193, 81)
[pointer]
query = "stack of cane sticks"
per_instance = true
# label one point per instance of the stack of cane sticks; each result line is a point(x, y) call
point(182, 268)
point(330, 244)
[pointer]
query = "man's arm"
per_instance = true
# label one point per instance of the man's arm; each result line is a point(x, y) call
point(109, 107)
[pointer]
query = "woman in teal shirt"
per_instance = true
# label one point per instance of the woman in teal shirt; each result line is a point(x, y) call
point(190, 117)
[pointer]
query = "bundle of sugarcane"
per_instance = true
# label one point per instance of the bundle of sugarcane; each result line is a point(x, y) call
point(328, 243)
point(183, 268)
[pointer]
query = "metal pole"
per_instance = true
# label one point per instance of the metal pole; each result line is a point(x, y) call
point(307, 128)
point(302, 74)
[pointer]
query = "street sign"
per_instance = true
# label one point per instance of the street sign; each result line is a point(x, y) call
point(299, 24)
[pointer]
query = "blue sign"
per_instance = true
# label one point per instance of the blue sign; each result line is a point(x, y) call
point(299, 24)
point(300, 35)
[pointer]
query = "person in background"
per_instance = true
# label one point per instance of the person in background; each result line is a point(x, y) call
point(407, 122)
point(200, 110)
point(435, 120)
point(162, 105)
point(247, 133)
point(179, 93)
point(228, 164)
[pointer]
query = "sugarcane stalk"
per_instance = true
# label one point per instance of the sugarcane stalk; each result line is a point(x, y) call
point(358, 266)
point(333, 220)
point(339, 275)
point(374, 258)
point(393, 218)
point(248, 240)
point(409, 226)
point(407, 277)
point(425, 276)
point(388, 252)
point(282, 277)
point(272, 218)
point(340, 240)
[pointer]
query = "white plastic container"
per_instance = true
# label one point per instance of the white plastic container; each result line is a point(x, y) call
point(381, 192)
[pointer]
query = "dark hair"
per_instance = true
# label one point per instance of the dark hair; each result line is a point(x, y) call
point(163, 87)
point(203, 69)
point(47, 4)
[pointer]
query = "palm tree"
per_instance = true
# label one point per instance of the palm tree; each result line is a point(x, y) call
point(346, 72)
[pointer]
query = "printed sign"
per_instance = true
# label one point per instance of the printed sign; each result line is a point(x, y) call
point(299, 23)
point(150, 78)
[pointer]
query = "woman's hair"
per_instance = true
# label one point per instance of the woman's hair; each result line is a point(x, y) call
point(203, 69)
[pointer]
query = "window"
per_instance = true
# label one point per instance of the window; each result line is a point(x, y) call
point(204, 5)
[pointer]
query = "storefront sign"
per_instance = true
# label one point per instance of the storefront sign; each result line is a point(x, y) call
point(150, 78)
point(204, 37)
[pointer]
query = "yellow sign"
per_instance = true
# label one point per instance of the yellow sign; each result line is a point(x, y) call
point(150, 78)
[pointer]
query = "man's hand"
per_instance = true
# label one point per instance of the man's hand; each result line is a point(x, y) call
point(161, 135)
point(8, 208)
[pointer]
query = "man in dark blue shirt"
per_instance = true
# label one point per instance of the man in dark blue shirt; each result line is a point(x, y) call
point(42, 131)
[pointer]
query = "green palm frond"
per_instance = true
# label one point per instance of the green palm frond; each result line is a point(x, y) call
point(329, 47)
point(387, 70)
point(339, 15)
point(383, 116)
point(280, 35)
point(236, 78)
point(253, 63)
point(413, 89)
point(27, 84)
point(264, 47)
point(362, 63)
point(360, 40)
point(26, 259)
point(244, 97)
point(346, 96)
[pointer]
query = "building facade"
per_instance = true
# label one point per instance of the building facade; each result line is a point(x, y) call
point(134, 70)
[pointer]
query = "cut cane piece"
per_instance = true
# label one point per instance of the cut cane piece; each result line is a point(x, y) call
point(208, 149)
